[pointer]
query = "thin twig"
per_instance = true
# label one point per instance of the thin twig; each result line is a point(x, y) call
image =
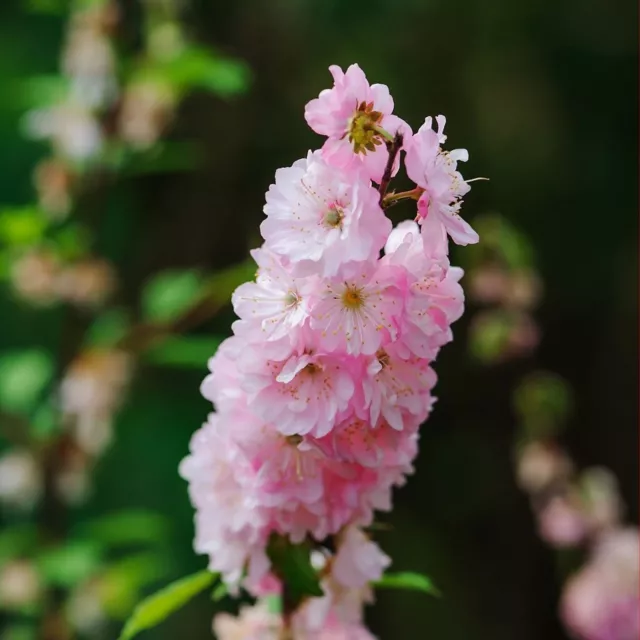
point(393, 148)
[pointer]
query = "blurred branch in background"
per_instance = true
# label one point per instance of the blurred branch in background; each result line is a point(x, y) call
point(103, 118)
point(579, 513)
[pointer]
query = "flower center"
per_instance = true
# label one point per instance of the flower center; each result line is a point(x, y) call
point(352, 297)
point(312, 368)
point(294, 440)
point(291, 299)
point(383, 358)
point(333, 217)
point(363, 128)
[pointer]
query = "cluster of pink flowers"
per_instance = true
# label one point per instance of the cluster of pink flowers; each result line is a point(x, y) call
point(321, 390)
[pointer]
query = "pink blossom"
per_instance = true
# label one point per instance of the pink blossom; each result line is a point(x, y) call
point(303, 394)
point(435, 170)
point(397, 388)
point(359, 314)
point(320, 217)
point(351, 115)
point(562, 523)
point(434, 299)
point(277, 300)
point(358, 561)
point(601, 601)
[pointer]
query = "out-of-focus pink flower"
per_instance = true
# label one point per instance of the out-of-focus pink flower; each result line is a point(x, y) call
point(562, 523)
point(602, 601)
point(358, 560)
point(436, 171)
point(351, 115)
point(540, 465)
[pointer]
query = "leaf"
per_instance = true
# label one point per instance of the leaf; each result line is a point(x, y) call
point(126, 528)
point(23, 378)
point(122, 581)
point(22, 226)
point(169, 294)
point(16, 541)
point(184, 351)
point(292, 563)
point(223, 283)
point(407, 580)
point(70, 564)
point(219, 591)
point(108, 328)
point(199, 67)
point(154, 609)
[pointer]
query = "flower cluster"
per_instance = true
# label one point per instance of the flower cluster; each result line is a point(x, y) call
point(320, 392)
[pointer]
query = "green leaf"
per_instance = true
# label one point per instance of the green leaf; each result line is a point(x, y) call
point(169, 294)
point(108, 328)
point(154, 609)
point(407, 580)
point(223, 283)
point(292, 563)
point(17, 541)
point(219, 591)
point(123, 580)
point(20, 631)
point(72, 242)
point(543, 402)
point(22, 226)
point(184, 351)
point(124, 528)
point(70, 564)
point(489, 335)
point(40, 91)
point(24, 376)
point(199, 67)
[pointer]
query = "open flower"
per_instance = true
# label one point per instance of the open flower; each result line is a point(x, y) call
point(319, 217)
point(353, 115)
point(359, 314)
point(436, 171)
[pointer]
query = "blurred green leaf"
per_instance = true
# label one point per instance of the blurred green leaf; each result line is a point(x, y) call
point(126, 527)
point(123, 580)
point(52, 7)
point(169, 294)
point(20, 631)
point(22, 226)
point(223, 283)
point(407, 580)
point(543, 402)
point(274, 604)
point(489, 335)
point(44, 421)
point(73, 241)
point(199, 67)
point(70, 564)
point(292, 563)
point(24, 376)
point(108, 328)
point(219, 591)
point(154, 609)
point(16, 541)
point(184, 351)
point(40, 91)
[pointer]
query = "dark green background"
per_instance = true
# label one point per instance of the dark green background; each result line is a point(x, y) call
point(544, 96)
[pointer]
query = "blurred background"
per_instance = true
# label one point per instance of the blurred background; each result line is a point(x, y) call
point(544, 97)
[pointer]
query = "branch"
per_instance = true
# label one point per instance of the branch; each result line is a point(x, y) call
point(394, 149)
